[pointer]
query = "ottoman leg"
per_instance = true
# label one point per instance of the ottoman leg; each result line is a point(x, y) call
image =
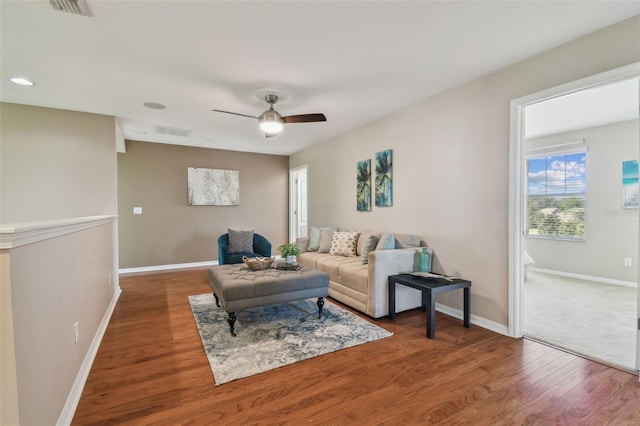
point(320, 305)
point(232, 322)
point(217, 300)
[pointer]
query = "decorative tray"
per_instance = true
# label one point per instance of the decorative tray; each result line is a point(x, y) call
point(288, 266)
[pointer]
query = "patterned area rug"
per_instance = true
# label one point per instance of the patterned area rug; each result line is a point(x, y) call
point(274, 336)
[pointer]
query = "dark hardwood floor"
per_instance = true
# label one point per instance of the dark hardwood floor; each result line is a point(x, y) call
point(151, 369)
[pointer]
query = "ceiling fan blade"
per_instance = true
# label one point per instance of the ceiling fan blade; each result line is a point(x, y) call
point(270, 135)
point(234, 113)
point(304, 118)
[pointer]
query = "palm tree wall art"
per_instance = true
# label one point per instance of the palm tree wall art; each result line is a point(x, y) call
point(384, 181)
point(363, 190)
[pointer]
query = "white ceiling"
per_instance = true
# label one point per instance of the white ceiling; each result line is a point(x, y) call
point(353, 61)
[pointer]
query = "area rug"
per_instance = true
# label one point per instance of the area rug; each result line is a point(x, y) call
point(274, 336)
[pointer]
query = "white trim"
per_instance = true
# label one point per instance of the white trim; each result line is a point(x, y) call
point(516, 216)
point(567, 147)
point(516, 206)
point(143, 269)
point(69, 409)
point(293, 199)
point(584, 277)
point(476, 320)
point(20, 234)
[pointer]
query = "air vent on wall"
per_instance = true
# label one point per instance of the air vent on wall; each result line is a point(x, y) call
point(79, 7)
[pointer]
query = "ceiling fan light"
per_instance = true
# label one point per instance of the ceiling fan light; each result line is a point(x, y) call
point(271, 127)
point(270, 122)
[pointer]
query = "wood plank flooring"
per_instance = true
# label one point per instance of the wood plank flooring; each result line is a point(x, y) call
point(151, 369)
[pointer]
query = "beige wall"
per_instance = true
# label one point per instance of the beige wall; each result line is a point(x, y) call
point(55, 164)
point(611, 233)
point(451, 164)
point(56, 283)
point(154, 177)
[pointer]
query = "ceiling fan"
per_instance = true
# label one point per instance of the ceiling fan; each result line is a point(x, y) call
point(271, 122)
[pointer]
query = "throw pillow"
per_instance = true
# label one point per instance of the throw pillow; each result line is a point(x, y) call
point(344, 244)
point(387, 241)
point(407, 240)
point(240, 241)
point(370, 243)
point(326, 236)
point(303, 244)
point(362, 238)
point(314, 236)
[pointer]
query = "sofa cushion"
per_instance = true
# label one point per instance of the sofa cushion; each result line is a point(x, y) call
point(407, 240)
point(355, 275)
point(387, 241)
point(326, 236)
point(369, 244)
point(240, 241)
point(314, 236)
point(344, 244)
point(310, 258)
point(331, 265)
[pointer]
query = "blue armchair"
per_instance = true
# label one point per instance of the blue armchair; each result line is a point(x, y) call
point(261, 247)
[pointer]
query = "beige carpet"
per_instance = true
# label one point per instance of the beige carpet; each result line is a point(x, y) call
point(594, 319)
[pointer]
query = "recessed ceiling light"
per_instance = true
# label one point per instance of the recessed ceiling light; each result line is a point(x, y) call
point(154, 105)
point(22, 81)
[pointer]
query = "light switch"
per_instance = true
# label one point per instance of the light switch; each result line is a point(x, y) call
point(137, 210)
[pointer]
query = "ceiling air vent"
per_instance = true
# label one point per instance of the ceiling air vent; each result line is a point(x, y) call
point(173, 131)
point(79, 7)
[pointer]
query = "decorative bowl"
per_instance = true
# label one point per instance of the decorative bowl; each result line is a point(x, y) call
point(257, 263)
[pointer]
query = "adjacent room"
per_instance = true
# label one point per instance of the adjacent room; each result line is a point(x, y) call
point(582, 224)
point(276, 212)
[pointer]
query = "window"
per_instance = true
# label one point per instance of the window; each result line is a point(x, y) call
point(555, 195)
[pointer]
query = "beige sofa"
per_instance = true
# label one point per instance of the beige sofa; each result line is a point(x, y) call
point(360, 280)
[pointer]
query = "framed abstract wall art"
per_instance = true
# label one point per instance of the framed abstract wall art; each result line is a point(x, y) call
point(363, 187)
point(630, 186)
point(384, 178)
point(213, 187)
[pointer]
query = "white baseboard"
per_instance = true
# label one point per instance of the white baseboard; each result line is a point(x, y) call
point(479, 321)
point(173, 267)
point(73, 399)
point(584, 277)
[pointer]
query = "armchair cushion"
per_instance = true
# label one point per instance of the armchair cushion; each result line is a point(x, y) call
point(240, 241)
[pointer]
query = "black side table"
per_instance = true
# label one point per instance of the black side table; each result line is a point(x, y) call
point(429, 288)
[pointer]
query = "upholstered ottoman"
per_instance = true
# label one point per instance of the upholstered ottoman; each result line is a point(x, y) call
point(238, 288)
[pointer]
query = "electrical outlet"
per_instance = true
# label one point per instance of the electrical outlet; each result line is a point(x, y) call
point(76, 329)
point(628, 262)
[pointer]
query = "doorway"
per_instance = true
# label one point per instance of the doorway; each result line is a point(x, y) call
point(519, 229)
point(297, 203)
